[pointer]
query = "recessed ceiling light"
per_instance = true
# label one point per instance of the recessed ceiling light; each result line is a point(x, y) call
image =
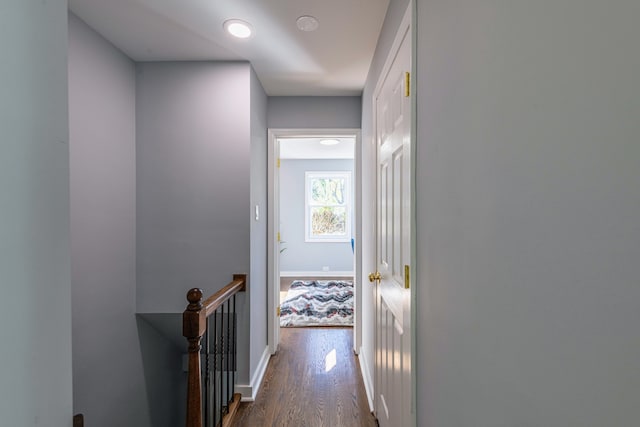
point(307, 23)
point(329, 141)
point(238, 28)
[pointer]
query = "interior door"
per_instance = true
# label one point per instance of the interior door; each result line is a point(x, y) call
point(394, 204)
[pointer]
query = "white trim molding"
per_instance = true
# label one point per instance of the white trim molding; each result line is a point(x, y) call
point(250, 391)
point(316, 274)
point(366, 377)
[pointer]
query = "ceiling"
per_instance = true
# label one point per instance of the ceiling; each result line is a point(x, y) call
point(333, 60)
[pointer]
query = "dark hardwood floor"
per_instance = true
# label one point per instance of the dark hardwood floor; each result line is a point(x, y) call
point(305, 386)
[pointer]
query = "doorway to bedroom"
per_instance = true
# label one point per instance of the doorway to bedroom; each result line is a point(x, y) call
point(313, 229)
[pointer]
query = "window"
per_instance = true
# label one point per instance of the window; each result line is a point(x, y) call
point(328, 206)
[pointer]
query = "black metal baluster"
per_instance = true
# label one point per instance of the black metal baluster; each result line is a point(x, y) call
point(228, 353)
point(207, 376)
point(215, 367)
point(234, 341)
point(222, 360)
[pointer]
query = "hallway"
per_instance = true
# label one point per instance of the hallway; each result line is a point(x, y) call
point(313, 381)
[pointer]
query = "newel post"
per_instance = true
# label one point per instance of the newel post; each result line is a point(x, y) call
point(194, 324)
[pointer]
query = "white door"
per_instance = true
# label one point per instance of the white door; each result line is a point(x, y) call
point(393, 251)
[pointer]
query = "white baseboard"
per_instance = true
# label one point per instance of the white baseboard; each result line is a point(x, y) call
point(366, 378)
point(249, 391)
point(317, 274)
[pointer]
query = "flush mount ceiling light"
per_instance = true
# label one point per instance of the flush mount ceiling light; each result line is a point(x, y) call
point(329, 141)
point(307, 23)
point(238, 28)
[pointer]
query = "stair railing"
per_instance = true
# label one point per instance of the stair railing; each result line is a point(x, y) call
point(213, 321)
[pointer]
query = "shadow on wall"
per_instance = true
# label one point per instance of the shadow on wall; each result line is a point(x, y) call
point(165, 380)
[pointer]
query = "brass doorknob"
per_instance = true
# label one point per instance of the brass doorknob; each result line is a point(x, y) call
point(374, 276)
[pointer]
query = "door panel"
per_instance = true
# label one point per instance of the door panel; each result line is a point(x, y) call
point(393, 309)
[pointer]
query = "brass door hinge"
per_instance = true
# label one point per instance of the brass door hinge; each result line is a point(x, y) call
point(407, 84)
point(278, 311)
point(407, 277)
point(278, 236)
point(278, 163)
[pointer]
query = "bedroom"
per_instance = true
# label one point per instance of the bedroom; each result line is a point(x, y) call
point(316, 231)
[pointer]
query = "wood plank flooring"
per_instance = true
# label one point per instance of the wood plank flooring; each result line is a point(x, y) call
point(306, 386)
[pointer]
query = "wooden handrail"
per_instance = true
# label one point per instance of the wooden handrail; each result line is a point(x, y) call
point(78, 420)
point(212, 303)
point(194, 326)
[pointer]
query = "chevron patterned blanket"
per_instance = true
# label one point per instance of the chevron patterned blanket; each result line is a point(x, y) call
point(318, 303)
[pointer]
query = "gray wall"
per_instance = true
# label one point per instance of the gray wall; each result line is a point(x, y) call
point(109, 381)
point(293, 112)
point(193, 140)
point(258, 194)
point(395, 12)
point(528, 201)
point(300, 255)
point(193, 185)
point(35, 307)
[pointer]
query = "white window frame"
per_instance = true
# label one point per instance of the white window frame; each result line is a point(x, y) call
point(308, 176)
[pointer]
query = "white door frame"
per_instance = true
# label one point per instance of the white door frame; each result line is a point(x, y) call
point(273, 252)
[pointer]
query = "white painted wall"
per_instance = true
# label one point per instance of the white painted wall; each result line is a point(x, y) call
point(529, 213)
point(35, 307)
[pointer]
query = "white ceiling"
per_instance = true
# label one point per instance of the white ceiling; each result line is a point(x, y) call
point(333, 60)
point(310, 148)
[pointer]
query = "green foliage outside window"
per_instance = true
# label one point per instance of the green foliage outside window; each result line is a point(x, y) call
point(328, 220)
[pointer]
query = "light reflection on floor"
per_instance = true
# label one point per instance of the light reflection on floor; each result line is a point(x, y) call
point(330, 360)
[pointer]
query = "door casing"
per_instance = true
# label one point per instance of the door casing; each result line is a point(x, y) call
point(273, 252)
